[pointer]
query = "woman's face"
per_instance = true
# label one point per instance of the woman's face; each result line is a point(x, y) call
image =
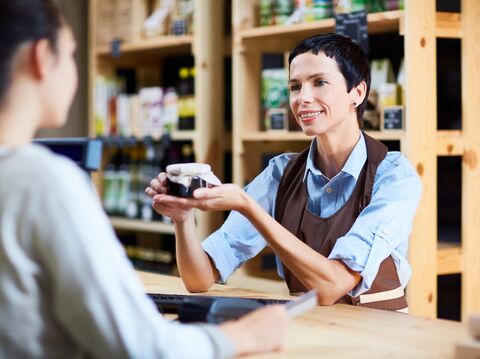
point(318, 95)
point(60, 83)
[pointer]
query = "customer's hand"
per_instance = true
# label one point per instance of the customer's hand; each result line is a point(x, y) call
point(263, 330)
point(178, 209)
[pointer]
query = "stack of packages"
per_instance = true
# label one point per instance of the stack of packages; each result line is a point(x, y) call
point(386, 94)
point(153, 112)
point(287, 12)
point(130, 20)
point(170, 17)
point(275, 99)
point(120, 20)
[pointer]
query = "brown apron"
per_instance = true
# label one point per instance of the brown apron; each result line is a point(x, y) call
point(322, 233)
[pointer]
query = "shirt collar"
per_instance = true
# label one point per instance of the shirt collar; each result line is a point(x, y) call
point(354, 163)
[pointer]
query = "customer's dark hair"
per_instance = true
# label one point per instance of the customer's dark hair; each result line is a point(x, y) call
point(22, 21)
point(350, 58)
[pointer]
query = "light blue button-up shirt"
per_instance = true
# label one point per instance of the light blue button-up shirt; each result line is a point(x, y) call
point(382, 228)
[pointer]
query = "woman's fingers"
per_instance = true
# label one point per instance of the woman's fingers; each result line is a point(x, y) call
point(178, 202)
point(157, 185)
point(217, 191)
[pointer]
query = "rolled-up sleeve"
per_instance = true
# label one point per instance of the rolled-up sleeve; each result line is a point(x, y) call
point(384, 226)
point(237, 240)
point(229, 251)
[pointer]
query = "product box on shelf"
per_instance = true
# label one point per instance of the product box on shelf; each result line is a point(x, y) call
point(120, 20)
point(275, 99)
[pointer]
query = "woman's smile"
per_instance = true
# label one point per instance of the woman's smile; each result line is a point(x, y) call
point(307, 116)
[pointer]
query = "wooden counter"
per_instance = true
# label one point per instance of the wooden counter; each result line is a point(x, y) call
point(342, 331)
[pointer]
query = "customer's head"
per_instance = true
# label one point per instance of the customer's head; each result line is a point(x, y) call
point(349, 57)
point(36, 51)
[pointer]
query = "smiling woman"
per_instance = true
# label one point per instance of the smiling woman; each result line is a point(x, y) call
point(337, 215)
point(321, 101)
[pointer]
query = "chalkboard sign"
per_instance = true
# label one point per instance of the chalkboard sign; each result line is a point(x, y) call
point(277, 119)
point(115, 48)
point(355, 26)
point(392, 118)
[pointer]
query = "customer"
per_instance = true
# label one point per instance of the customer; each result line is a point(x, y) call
point(66, 288)
point(338, 215)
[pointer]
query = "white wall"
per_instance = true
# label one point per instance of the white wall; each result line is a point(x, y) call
point(76, 13)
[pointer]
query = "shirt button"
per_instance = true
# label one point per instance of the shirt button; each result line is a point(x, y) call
point(329, 190)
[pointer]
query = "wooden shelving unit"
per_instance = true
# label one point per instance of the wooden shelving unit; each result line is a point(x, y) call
point(142, 226)
point(420, 25)
point(424, 143)
point(207, 46)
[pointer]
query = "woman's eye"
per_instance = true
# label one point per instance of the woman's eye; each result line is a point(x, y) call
point(294, 87)
point(320, 83)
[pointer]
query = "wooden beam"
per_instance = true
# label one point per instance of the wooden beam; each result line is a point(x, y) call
point(209, 92)
point(420, 147)
point(246, 86)
point(470, 165)
point(92, 64)
point(447, 25)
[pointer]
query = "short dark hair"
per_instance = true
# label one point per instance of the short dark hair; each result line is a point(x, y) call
point(351, 60)
point(22, 21)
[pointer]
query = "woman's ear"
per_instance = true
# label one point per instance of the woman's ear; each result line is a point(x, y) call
point(42, 58)
point(358, 93)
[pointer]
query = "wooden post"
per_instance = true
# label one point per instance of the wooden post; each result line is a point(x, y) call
point(470, 165)
point(92, 64)
point(246, 86)
point(420, 147)
point(209, 96)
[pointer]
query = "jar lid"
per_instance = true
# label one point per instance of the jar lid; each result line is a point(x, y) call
point(188, 169)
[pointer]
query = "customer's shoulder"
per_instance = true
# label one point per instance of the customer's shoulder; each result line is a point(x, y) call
point(41, 165)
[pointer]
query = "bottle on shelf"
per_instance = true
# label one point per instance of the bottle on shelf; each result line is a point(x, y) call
point(146, 174)
point(186, 99)
point(170, 109)
point(266, 12)
point(182, 21)
point(187, 153)
point(110, 186)
point(124, 179)
point(147, 252)
point(282, 9)
point(132, 207)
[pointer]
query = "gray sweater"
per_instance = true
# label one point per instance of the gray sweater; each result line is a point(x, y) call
point(67, 289)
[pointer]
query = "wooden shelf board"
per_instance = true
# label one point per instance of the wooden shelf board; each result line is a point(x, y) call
point(183, 135)
point(448, 25)
point(449, 258)
point(377, 22)
point(449, 143)
point(160, 43)
point(142, 226)
point(299, 136)
point(387, 135)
